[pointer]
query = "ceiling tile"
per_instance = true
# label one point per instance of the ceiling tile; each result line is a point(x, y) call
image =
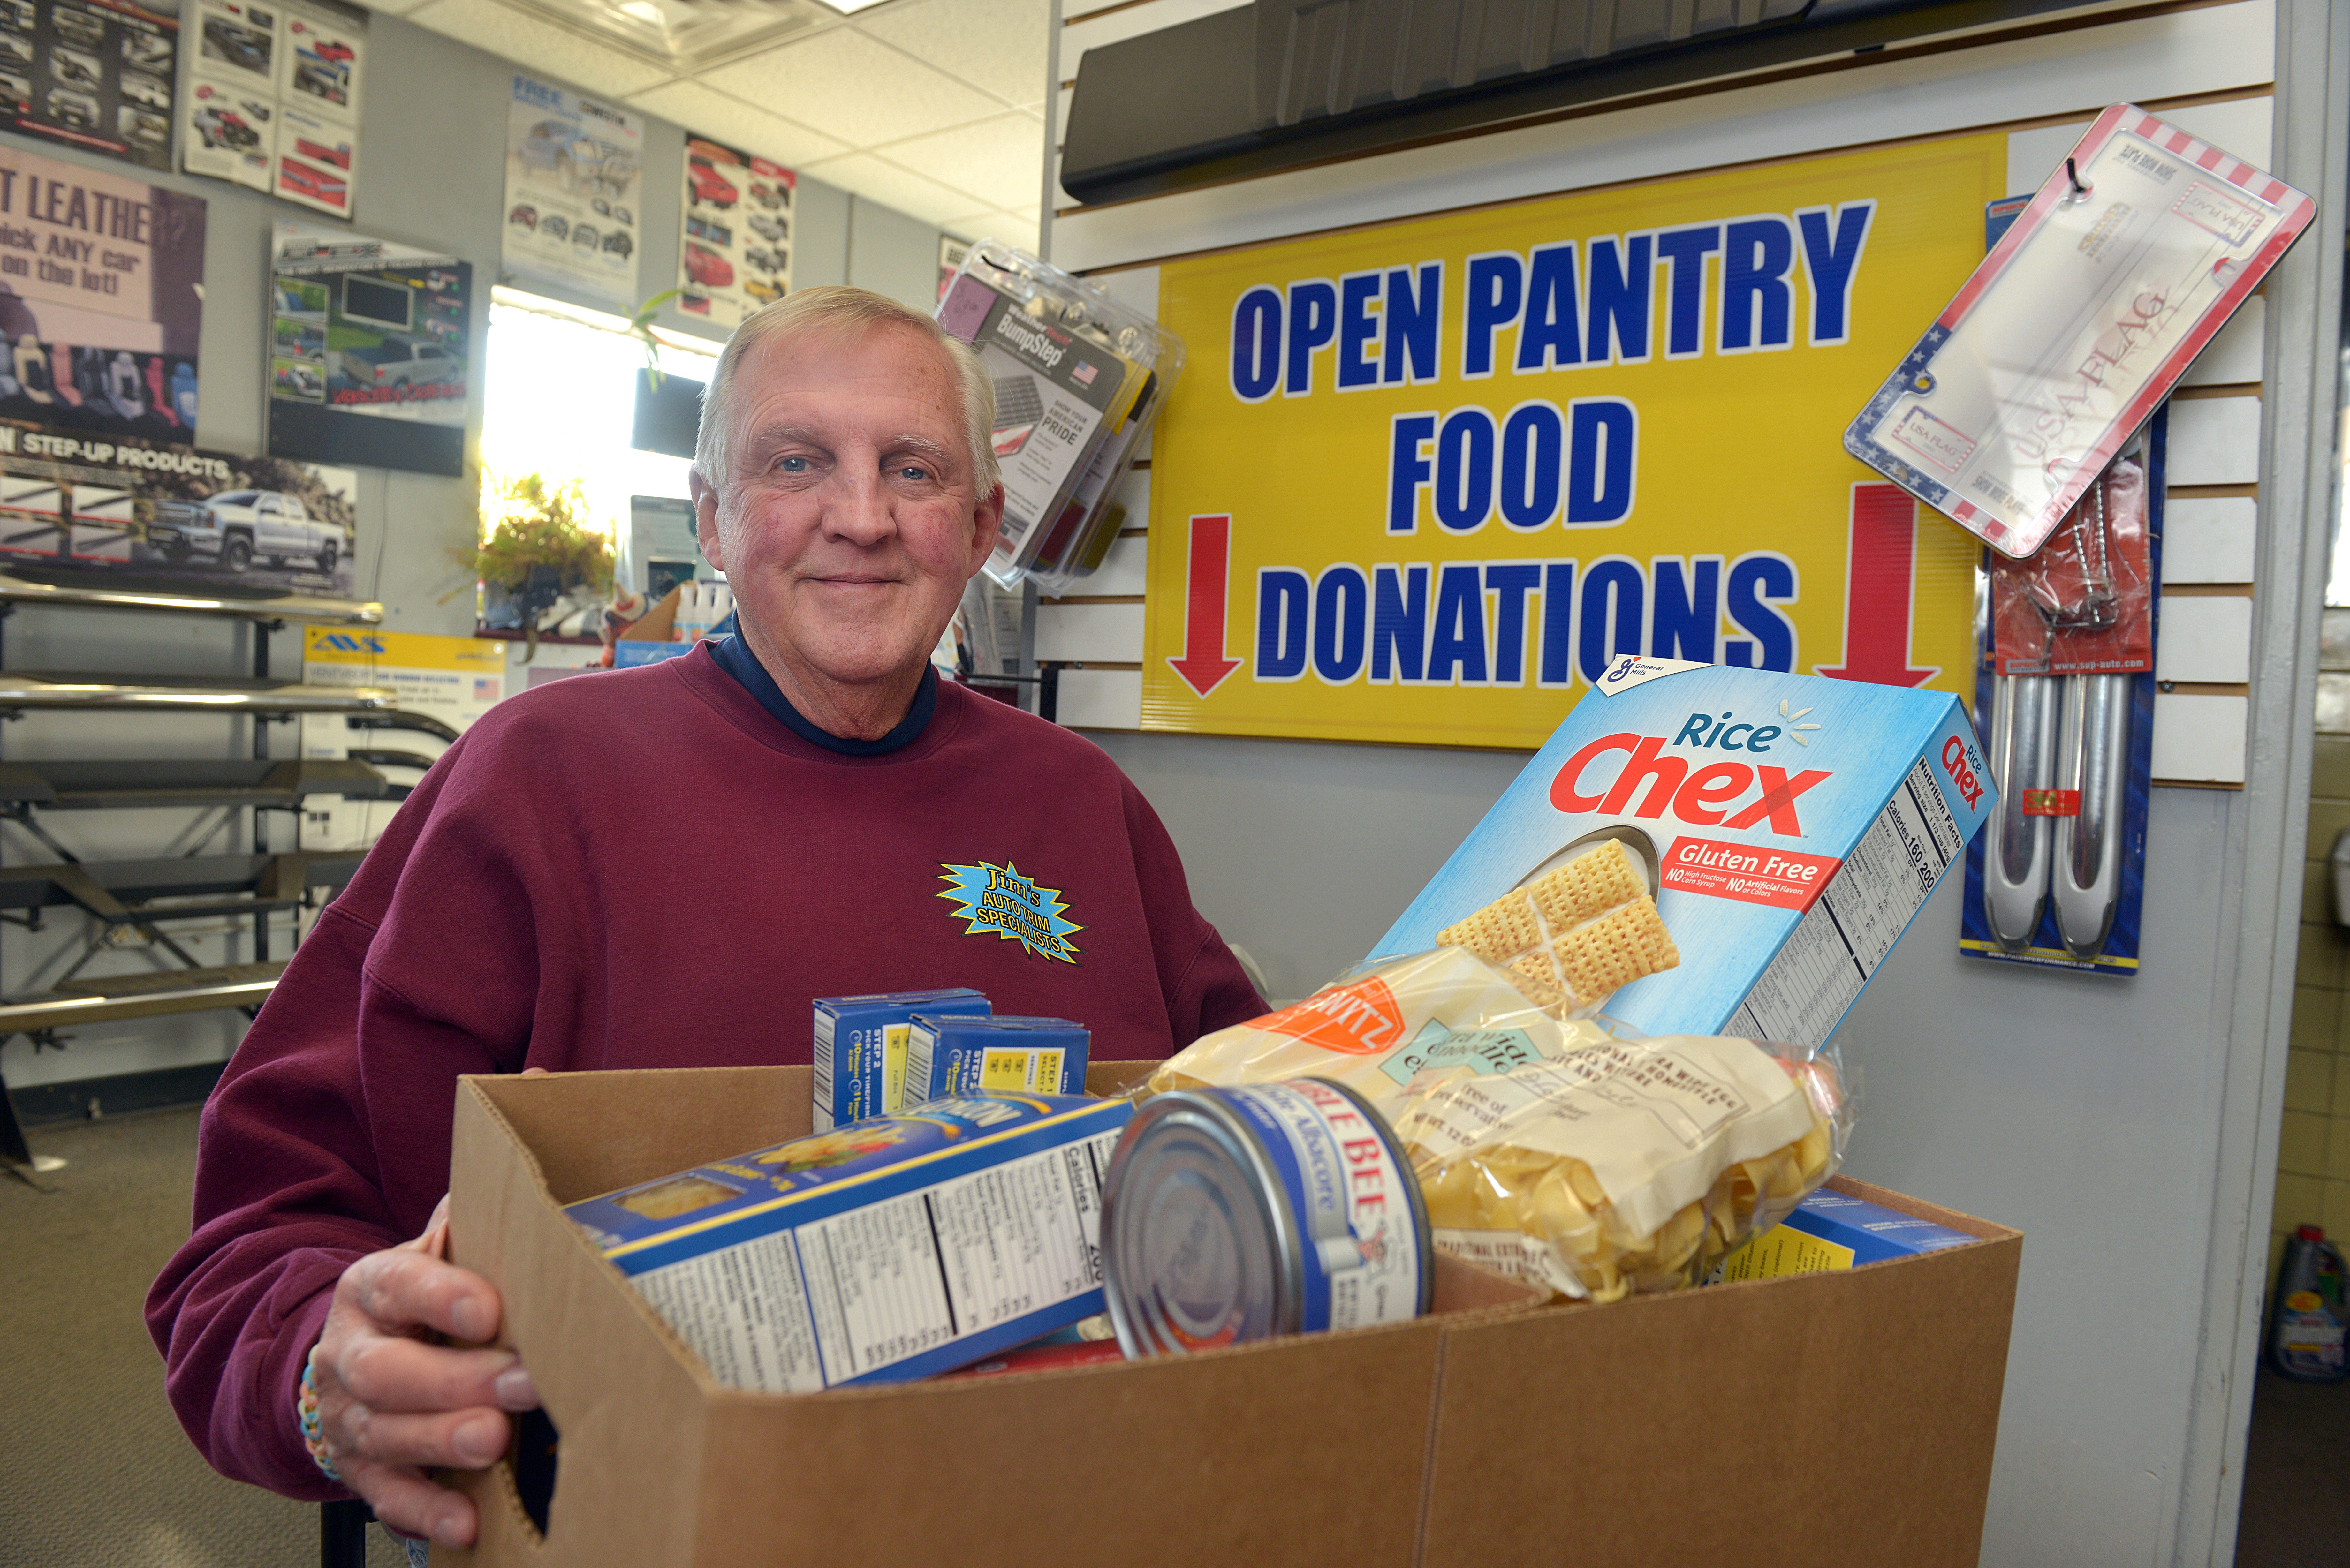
point(706, 112)
point(1010, 229)
point(550, 50)
point(850, 87)
point(879, 181)
point(1000, 161)
point(999, 45)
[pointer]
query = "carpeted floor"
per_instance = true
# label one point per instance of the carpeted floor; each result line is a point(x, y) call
point(97, 1470)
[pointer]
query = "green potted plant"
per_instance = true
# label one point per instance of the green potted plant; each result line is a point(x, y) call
point(540, 554)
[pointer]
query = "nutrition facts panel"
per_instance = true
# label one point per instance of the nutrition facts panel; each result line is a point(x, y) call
point(743, 1310)
point(895, 1279)
point(1842, 939)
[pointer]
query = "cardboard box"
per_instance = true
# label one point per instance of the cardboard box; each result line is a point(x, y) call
point(1492, 1432)
point(1796, 823)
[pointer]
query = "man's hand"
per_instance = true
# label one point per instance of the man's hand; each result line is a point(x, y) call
point(392, 1404)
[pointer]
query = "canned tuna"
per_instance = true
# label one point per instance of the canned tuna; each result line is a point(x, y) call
point(1236, 1214)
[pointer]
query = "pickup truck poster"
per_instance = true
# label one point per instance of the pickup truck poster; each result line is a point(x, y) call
point(574, 167)
point(371, 351)
point(273, 99)
point(736, 252)
point(1423, 483)
point(100, 299)
point(96, 77)
point(165, 516)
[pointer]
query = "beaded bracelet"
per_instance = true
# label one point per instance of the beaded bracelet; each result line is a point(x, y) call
point(306, 1411)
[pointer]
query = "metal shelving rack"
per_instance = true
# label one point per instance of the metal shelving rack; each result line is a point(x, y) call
point(24, 891)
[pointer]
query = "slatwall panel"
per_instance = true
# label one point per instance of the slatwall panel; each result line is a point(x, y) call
point(1107, 605)
point(2214, 454)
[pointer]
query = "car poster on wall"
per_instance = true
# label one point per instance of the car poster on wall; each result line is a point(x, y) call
point(101, 302)
point(737, 252)
point(93, 76)
point(952, 252)
point(273, 98)
point(574, 169)
point(370, 351)
point(171, 516)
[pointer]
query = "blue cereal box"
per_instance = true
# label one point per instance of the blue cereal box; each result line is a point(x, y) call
point(886, 1250)
point(860, 1049)
point(1832, 1231)
point(1786, 826)
point(971, 1056)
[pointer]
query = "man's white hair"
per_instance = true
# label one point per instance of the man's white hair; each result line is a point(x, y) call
point(836, 308)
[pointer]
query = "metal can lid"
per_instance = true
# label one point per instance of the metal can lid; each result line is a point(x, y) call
point(1198, 1249)
point(1231, 1215)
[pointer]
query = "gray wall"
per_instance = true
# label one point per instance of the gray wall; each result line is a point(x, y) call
point(432, 173)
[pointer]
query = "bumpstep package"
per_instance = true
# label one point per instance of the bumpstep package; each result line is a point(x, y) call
point(1787, 827)
point(891, 1249)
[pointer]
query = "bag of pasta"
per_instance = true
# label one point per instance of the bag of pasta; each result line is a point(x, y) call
point(1376, 1028)
point(1625, 1165)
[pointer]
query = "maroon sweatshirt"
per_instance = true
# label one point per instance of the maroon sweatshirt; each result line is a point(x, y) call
point(645, 868)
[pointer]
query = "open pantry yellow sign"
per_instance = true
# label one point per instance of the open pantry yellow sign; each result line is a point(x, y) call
point(1425, 480)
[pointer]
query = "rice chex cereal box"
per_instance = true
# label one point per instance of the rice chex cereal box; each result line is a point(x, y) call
point(1788, 825)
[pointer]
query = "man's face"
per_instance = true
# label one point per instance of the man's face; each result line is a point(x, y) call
point(848, 524)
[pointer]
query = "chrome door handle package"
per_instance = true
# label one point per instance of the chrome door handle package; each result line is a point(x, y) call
point(2066, 679)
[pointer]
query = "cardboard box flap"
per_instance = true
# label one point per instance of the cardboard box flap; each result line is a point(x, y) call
point(1857, 1411)
point(621, 1414)
point(1307, 1450)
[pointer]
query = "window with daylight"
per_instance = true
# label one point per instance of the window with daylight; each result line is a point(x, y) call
point(560, 402)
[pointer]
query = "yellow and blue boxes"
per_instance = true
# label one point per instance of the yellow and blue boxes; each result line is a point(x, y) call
point(968, 1055)
point(861, 1050)
point(892, 1249)
point(1832, 1230)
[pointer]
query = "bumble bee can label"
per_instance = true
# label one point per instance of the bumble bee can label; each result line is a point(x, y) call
point(1236, 1214)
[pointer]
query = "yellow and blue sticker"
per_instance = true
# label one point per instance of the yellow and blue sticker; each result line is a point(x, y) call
point(998, 899)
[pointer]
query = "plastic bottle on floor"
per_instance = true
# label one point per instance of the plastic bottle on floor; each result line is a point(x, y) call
point(2307, 1316)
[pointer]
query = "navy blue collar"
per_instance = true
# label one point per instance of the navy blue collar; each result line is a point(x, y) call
point(735, 657)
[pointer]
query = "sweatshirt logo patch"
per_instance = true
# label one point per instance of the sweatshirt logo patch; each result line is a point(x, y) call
point(998, 899)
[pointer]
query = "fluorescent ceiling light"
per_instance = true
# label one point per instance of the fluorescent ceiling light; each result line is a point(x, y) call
point(690, 34)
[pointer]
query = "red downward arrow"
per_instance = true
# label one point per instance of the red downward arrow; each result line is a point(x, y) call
point(1204, 666)
point(1879, 590)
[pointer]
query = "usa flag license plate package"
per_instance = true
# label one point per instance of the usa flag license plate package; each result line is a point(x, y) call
point(1787, 826)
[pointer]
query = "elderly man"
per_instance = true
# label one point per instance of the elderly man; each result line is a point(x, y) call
point(659, 869)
